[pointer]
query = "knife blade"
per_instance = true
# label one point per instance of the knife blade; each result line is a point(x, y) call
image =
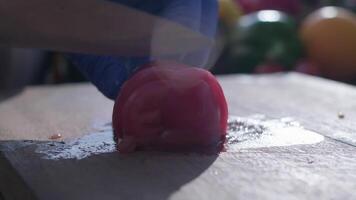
point(94, 27)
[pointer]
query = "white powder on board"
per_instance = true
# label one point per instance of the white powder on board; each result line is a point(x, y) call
point(89, 145)
point(243, 133)
point(258, 131)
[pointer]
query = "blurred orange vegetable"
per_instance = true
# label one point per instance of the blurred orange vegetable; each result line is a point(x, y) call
point(329, 35)
point(229, 12)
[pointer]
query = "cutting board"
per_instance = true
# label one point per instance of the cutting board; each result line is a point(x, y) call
point(324, 170)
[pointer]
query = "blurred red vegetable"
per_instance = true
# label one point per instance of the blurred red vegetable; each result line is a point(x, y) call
point(292, 7)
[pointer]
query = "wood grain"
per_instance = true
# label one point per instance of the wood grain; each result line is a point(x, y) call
point(324, 171)
point(321, 171)
point(39, 112)
point(313, 101)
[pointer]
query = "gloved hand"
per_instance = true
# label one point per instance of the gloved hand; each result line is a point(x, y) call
point(108, 73)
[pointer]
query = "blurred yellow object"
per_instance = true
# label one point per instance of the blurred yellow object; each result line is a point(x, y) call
point(229, 12)
point(329, 35)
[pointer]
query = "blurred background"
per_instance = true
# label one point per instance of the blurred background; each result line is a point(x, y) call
point(315, 37)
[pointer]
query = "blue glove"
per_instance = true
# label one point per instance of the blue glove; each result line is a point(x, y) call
point(109, 73)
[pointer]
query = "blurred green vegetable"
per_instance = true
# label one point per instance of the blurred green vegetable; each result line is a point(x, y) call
point(267, 36)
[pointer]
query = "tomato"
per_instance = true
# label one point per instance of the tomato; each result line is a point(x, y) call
point(292, 7)
point(170, 107)
point(329, 35)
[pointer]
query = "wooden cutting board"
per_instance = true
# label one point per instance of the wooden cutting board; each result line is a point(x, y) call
point(325, 170)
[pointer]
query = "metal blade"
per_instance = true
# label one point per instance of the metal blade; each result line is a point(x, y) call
point(93, 27)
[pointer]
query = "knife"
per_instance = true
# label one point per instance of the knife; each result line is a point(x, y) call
point(93, 27)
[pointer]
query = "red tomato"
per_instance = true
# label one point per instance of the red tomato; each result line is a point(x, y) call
point(170, 107)
point(329, 35)
point(292, 7)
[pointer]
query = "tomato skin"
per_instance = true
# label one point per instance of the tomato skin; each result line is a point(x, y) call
point(170, 107)
point(329, 35)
